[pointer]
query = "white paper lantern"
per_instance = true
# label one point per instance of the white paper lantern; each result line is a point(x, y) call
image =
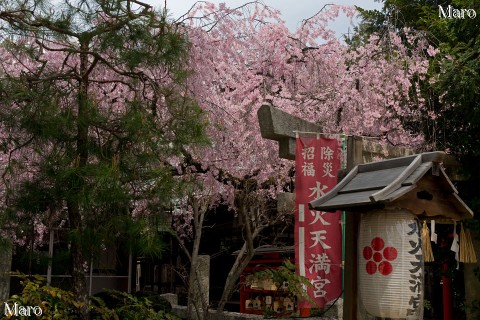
point(390, 264)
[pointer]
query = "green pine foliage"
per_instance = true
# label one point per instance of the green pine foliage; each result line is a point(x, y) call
point(452, 121)
point(452, 87)
point(101, 166)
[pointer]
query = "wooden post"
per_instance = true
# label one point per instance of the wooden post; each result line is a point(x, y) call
point(352, 221)
point(447, 293)
point(350, 286)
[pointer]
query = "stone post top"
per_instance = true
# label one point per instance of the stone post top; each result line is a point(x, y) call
point(276, 124)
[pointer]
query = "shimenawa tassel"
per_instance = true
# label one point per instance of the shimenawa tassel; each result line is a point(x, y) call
point(467, 251)
point(427, 246)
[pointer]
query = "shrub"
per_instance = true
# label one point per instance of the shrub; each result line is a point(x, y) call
point(127, 306)
point(56, 303)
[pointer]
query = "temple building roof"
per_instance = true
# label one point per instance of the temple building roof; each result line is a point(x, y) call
point(418, 183)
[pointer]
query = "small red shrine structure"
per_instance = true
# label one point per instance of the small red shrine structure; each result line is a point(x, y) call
point(263, 296)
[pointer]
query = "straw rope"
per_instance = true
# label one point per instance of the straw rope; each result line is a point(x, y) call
point(467, 251)
point(427, 246)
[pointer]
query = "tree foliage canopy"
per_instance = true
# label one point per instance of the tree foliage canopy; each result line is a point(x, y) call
point(93, 105)
point(451, 90)
point(245, 57)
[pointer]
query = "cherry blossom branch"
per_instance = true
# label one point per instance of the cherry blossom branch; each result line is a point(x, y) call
point(305, 21)
point(217, 19)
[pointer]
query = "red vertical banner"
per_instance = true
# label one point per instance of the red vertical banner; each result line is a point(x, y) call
point(318, 235)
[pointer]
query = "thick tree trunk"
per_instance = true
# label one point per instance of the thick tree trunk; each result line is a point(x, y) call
point(5, 269)
point(241, 262)
point(196, 299)
point(75, 214)
point(245, 255)
point(79, 281)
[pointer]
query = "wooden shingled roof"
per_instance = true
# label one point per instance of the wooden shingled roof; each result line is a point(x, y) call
point(418, 183)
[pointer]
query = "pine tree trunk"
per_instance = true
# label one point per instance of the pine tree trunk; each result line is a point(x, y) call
point(79, 282)
point(5, 269)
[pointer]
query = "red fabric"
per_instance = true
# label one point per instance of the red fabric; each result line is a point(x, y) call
point(318, 235)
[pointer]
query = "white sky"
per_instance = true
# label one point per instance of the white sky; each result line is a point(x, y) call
point(293, 11)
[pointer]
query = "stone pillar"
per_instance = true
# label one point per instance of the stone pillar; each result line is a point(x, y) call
point(5, 269)
point(202, 286)
point(170, 297)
